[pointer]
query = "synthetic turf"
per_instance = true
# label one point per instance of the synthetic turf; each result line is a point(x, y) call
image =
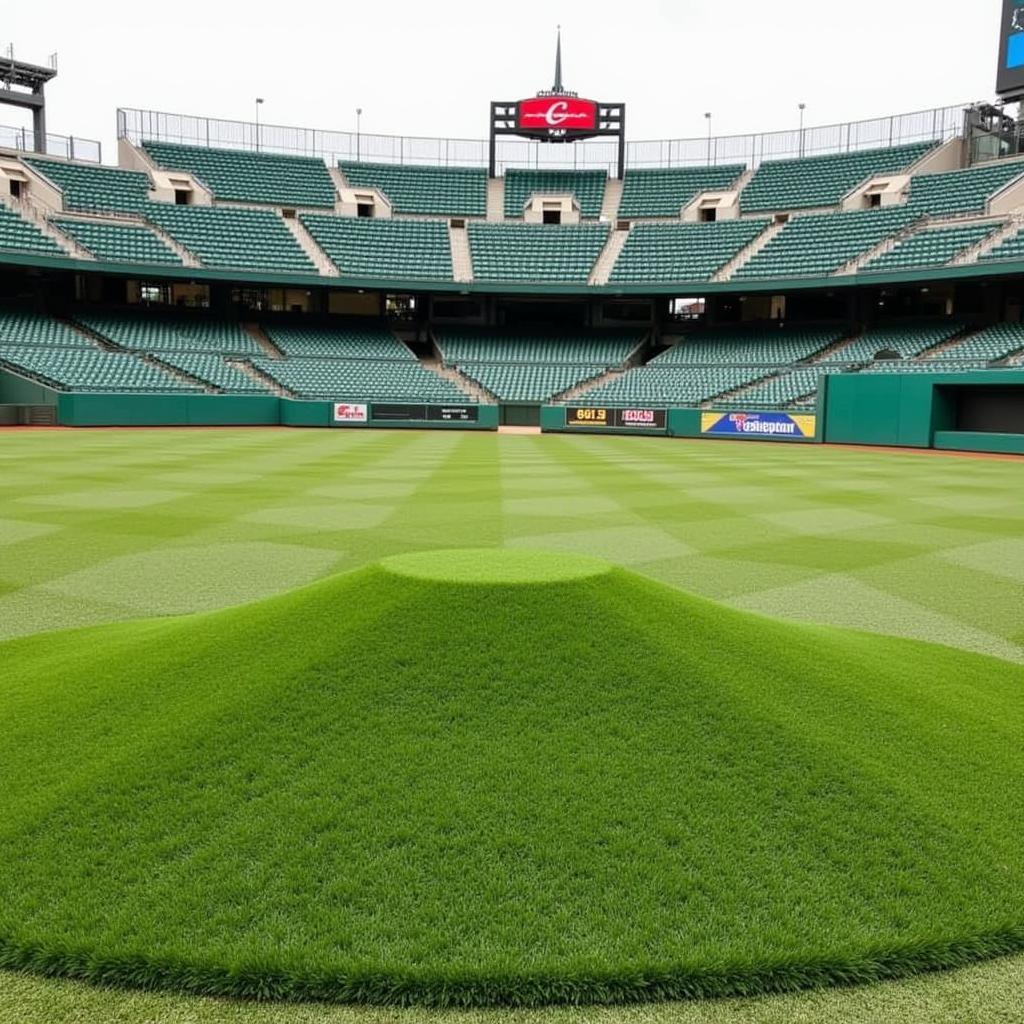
point(391, 787)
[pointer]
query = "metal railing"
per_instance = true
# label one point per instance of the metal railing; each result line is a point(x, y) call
point(68, 146)
point(939, 124)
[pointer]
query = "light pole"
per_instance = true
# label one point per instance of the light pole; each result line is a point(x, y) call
point(803, 107)
point(259, 103)
point(707, 116)
point(359, 131)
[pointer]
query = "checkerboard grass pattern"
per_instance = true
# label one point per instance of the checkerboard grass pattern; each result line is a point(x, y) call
point(110, 525)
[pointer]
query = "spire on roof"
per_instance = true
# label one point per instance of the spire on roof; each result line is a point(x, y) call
point(557, 88)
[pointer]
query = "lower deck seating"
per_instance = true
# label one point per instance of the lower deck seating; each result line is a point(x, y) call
point(781, 392)
point(80, 369)
point(995, 342)
point(148, 331)
point(23, 327)
point(481, 346)
point(214, 370)
point(904, 340)
point(360, 380)
point(672, 385)
point(520, 382)
point(338, 342)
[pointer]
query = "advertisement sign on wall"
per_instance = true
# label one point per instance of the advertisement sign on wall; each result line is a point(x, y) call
point(346, 412)
point(636, 419)
point(405, 412)
point(783, 425)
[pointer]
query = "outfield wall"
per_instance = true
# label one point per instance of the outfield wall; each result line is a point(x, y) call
point(919, 410)
point(735, 425)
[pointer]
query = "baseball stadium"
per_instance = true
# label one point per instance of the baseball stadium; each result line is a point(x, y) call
point(548, 578)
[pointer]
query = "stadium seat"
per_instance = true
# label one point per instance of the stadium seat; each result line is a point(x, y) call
point(664, 191)
point(930, 247)
point(20, 235)
point(122, 243)
point(535, 253)
point(432, 191)
point(94, 188)
point(587, 186)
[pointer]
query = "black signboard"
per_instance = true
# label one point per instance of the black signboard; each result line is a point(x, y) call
point(453, 413)
point(426, 413)
point(1010, 75)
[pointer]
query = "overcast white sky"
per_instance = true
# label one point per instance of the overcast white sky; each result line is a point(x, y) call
point(421, 68)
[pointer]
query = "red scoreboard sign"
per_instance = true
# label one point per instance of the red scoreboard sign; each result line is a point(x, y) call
point(557, 115)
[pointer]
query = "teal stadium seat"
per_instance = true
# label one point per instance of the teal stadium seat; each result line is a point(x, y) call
point(161, 333)
point(431, 191)
point(819, 181)
point(535, 253)
point(399, 380)
point(682, 252)
point(587, 186)
point(957, 192)
point(20, 235)
point(120, 243)
point(383, 248)
point(230, 236)
point(930, 247)
point(817, 245)
point(96, 189)
point(664, 191)
point(907, 340)
point(338, 343)
point(245, 176)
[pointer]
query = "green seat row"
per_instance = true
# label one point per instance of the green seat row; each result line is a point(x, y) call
point(338, 342)
point(433, 191)
point(782, 392)
point(250, 177)
point(360, 379)
point(815, 181)
point(20, 235)
point(469, 346)
point(587, 186)
point(230, 236)
point(122, 243)
point(382, 247)
point(749, 346)
point(996, 342)
point(535, 253)
point(215, 370)
point(814, 245)
point(965, 191)
point(94, 188)
point(682, 252)
point(78, 369)
point(1011, 248)
point(20, 327)
point(523, 382)
point(664, 191)
point(904, 339)
point(152, 331)
point(930, 247)
point(672, 385)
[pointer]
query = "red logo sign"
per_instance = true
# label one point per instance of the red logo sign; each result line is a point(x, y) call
point(557, 114)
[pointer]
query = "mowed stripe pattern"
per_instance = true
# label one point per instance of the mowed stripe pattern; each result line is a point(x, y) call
point(104, 526)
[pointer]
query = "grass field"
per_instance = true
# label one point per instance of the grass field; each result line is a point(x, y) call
point(107, 526)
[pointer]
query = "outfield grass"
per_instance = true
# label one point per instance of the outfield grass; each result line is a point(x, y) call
point(115, 525)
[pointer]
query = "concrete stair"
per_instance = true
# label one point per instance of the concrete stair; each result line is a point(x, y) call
point(836, 348)
point(184, 254)
point(1010, 229)
point(747, 253)
point(496, 199)
point(886, 245)
point(612, 200)
point(35, 216)
point(737, 393)
point(583, 387)
point(260, 337)
point(324, 267)
point(462, 258)
point(173, 371)
point(263, 379)
point(605, 264)
point(469, 388)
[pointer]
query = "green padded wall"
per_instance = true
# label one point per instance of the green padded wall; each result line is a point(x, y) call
point(116, 410)
point(15, 390)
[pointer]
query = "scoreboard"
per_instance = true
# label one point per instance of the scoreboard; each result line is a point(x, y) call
point(1010, 76)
